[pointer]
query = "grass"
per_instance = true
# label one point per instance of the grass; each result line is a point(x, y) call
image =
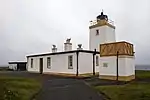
point(4, 68)
point(17, 88)
point(138, 89)
point(143, 74)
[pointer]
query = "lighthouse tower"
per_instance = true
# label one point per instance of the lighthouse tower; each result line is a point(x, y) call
point(101, 31)
point(116, 58)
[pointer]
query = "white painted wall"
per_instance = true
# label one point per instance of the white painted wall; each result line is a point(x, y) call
point(111, 69)
point(86, 63)
point(130, 66)
point(110, 35)
point(35, 64)
point(59, 63)
point(106, 35)
point(13, 66)
point(126, 66)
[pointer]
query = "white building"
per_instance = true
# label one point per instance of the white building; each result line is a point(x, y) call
point(83, 62)
point(118, 63)
point(69, 62)
point(17, 65)
point(75, 62)
point(101, 31)
point(113, 65)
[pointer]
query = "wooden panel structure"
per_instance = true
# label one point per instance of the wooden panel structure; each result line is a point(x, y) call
point(111, 49)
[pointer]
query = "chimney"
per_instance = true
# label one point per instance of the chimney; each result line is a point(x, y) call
point(79, 47)
point(68, 45)
point(54, 49)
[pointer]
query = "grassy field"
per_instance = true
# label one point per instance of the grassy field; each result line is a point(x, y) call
point(138, 89)
point(15, 88)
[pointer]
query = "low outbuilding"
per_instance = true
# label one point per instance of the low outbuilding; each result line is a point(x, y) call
point(17, 65)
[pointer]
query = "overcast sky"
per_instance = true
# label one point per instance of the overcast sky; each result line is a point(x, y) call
point(32, 26)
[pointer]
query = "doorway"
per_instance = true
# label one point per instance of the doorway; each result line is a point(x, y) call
point(41, 65)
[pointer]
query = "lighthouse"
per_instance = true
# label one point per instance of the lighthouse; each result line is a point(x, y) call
point(117, 59)
point(102, 30)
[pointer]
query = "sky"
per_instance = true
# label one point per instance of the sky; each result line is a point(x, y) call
point(32, 26)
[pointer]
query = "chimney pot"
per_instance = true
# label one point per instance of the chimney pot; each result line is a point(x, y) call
point(79, 47)
point(54, 49)
point(68, 45)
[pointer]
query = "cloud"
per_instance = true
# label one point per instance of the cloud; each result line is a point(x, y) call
point(32, 26)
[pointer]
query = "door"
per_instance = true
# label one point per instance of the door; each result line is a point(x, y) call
point(41, 65)
point(21, 66)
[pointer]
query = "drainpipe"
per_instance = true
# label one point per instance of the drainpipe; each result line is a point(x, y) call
point(77, 73)
point(117, 66)
point(94, 61)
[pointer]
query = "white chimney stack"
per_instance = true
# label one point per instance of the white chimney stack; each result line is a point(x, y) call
point(68, 45)
point(54, 49)
point(79, 47)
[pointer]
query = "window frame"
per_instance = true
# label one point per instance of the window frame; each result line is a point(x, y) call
point(70, 62)
point(31, 62)
point(48, 62)
point(97, 32)
point(97, 60)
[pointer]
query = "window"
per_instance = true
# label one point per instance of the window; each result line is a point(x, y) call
point(31, 63)
point(97, 32)
point(70, 62)
point(97, 61)
point(48, 62)
point(105, 64)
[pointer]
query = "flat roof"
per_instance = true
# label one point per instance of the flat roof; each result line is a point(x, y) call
point(17, 62)
point(65, 52)
point(116, 43)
